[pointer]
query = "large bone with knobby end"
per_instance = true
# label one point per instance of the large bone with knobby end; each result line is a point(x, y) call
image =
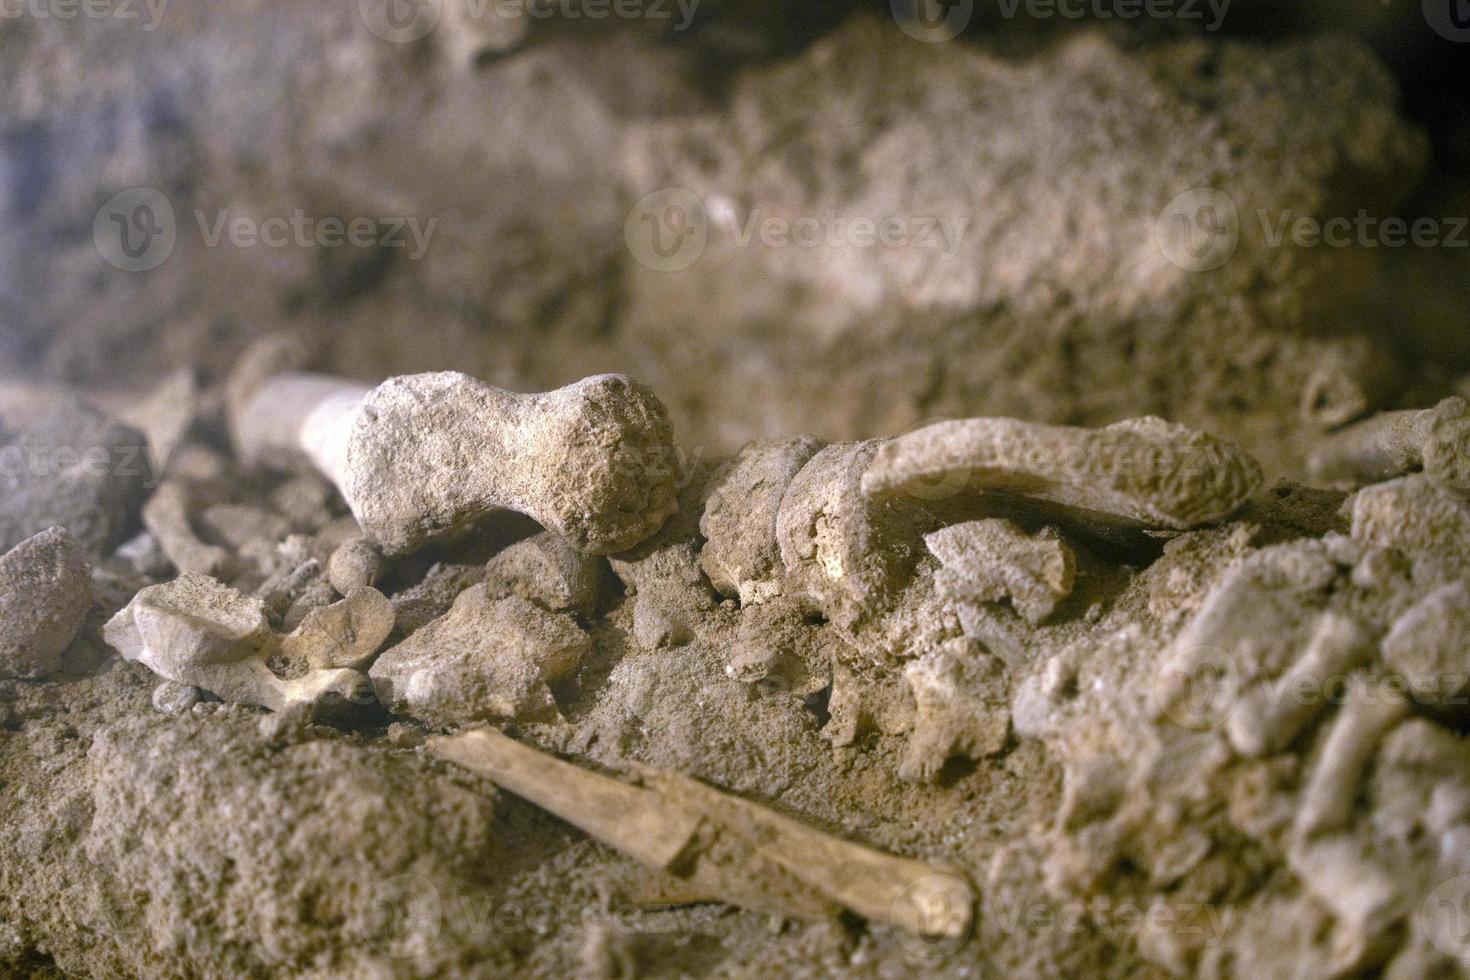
point(425, 455)
point(1144, 473)
point(720, 847)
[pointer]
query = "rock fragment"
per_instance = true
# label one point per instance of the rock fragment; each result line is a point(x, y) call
point(486, 659)
point(427, 455)
point(1409, 514)
point(73, 467)
point(1426, 646)
point(199, 632)
point(548, 571)
point(962, 707)
point(1141, 473)
point(45, 591)
point(992, 560)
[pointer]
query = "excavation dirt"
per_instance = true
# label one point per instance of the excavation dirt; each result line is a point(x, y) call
point(1076, 563)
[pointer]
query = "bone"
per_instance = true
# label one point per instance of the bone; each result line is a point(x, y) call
point(714, 846)
point(1268, 717)
point(741, 555)
point(424, 456)
point(1371, 710)
point(847, 554)
point(199, 632)
point(992, 560)
point(485, 660)
point(45, 591)
point(1390, 444)
point(354, 564)
point(1346, 877)
point(166, 516)
point(344, 634)
point(1141, 473)
point(962, 708)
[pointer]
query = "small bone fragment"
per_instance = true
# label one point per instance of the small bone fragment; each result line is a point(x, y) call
point(1426, 646)
point(1390, 444)
point(1371, 710)
point(722, 847)
point(426, 455)
point(1268, 717)
point(991, 560)
point(962, 708)
point(548, 571)
point(355, 564)
point(1142, 472)
point(196, 631)
point(741, 555)
point(485, 659)
point(45, 591)
point(344, 634)
point(165, 415)
point(166, 515)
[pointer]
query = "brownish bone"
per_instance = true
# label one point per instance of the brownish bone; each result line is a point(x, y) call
point(722, 847)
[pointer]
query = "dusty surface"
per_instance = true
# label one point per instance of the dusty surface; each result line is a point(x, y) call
point(1166, 710)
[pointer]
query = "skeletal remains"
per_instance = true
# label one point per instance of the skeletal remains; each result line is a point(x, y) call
point(904, 575)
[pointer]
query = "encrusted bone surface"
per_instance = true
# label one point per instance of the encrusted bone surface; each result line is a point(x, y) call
point(199, 632)
point(425, 456)
point(1142, 472)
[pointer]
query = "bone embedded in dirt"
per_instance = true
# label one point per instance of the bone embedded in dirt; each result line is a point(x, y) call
point(1371, 710)
point(424, 456)
point(166, 515)
point(1390, 444)
point(724, 848)
point(1142, 472)
point(992, 560)
point(200, 632)
point(1266, 718)
point(345, 634)
point(741, 555)
point(486, 659)
point(45, 591)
